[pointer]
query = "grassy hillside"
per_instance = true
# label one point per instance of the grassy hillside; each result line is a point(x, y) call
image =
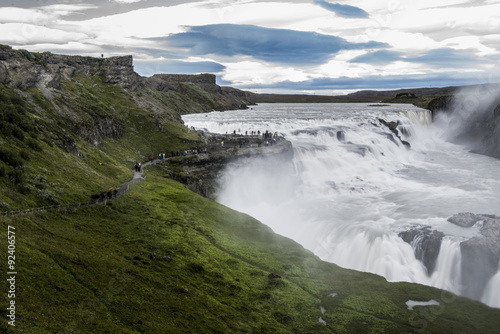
point(162, 259)
point(84, 139)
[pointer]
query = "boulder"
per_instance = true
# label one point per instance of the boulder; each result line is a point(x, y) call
point(341, 136)
point(426, 245)
point(481, 254)
point(465, 219)
point(393, 126)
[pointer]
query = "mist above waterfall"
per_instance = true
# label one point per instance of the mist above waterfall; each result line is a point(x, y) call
point(353, 186)
point(473, 119)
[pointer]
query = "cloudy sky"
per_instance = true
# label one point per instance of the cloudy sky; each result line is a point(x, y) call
point(316, 46)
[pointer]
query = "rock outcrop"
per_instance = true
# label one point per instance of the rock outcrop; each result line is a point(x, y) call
point(24, 70)
point(481, 254)
point(474, 118)
point(201, 172)
point(166, 96)
point(213, 97)
point(426, 245)
point(393, 126)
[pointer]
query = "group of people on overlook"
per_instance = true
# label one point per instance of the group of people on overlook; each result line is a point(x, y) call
point(269, 139)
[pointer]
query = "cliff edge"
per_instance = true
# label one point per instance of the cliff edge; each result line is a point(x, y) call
point(471, 117)
point(24, 70)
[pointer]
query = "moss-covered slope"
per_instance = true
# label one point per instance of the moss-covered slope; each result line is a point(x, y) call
point(162, 259)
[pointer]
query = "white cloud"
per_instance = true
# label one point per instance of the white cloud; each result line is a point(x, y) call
point(24, 34)
point(21, 15)
point(246, 72)
point(46, 15)
point(126, 1)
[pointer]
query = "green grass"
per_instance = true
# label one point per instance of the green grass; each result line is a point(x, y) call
point(36, 168)
point(90, 271)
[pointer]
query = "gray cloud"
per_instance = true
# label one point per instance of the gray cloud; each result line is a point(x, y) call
point(272, 45)
point(384, 82)
point(343, 10)
point(438, 58)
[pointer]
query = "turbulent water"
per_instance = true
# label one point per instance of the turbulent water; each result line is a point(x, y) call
point(353, 186)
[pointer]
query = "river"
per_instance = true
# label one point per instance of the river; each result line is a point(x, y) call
point(353, 186)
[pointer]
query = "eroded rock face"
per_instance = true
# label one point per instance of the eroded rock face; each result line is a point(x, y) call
point(480, 255)
point(426, 245)
point(200, 172)
point(100, 127)
point(24, 70)
point(475, 116)
point(465, 219)
point(393, 126)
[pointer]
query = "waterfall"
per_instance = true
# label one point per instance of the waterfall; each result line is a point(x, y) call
point(491, 295)
point(348, 197)
point(447, 275)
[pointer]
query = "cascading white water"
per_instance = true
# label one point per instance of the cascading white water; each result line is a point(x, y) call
point(353, 186)
point(491, 294)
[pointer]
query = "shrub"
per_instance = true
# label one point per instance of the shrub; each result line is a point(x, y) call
point(18, 133)
point(6, 128)
point(25, 155)
point(4, 205)
point(26, 188)
point(2, 171)
point(33, 144)
point(10, 158)
point(47, 195)
point(15, 175)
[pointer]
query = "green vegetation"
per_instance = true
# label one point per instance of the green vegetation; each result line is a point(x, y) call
point(83, 140)
point(164, 260)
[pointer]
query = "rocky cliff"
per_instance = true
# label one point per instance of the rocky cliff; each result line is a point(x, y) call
point(472, 117)
point(24, 70)
point(201, 172)
point(78, 90)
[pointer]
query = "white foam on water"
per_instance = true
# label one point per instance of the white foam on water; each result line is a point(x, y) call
point(347, 200)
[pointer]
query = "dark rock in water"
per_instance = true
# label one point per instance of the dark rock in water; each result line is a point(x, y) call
point(358, 149)
point(404, 131)
point(426, 245)
point(341, 136)
point(393, 126)
point(481, 254)
point(465, 219)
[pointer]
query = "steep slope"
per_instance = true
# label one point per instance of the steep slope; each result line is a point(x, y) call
point(72, 125)
point(162, 259)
